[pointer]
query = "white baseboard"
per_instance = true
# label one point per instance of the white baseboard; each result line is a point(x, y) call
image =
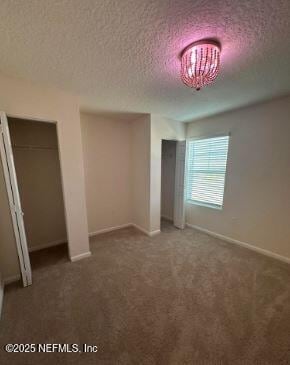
point(126, 225)
point(110, 229)
point(154, 233)
point(242, 244)
point(47, 245)
point(143, 230)
point(81, 256)
point(11, 279)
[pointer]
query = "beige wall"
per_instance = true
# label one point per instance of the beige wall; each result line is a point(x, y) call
point(168, 178)
point(39, 181)
point(123, 169)
point(141, 172)
point(257, 193)
point(161, 128)
point(108, 171)
point(24, 99)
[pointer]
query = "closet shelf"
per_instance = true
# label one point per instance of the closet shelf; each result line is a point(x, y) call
point(31, 147)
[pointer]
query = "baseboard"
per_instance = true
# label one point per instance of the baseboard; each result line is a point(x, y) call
point(154, 233)
point(242, 244)
point(126, 225)
point(81, 256)
point(47, 245)
point(11, 279)
point(110, 229)
point(143, 230)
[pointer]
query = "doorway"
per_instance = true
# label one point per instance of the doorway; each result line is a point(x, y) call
point(172, 214)
point(34, 157)
point(168, 165)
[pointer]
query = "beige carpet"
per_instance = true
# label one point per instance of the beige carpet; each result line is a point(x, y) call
point(179, 298)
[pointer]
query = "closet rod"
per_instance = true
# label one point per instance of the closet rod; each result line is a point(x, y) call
point(31, 147)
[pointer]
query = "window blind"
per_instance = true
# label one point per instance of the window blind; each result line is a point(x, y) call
point(206, 170)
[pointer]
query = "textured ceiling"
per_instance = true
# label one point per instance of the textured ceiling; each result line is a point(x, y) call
point(122, 55)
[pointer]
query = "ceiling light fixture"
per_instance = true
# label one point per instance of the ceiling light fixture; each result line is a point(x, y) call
point(200, 63)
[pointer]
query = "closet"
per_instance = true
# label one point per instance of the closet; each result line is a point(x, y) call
point(36, 158)
point(168, 163)
point(172, 212)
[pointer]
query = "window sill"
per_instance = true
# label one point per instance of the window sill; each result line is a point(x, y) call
point(216, 207)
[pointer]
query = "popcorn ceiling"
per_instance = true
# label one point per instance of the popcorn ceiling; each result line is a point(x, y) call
point(123, 56)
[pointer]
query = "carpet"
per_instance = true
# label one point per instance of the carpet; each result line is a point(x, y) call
point(181, 297)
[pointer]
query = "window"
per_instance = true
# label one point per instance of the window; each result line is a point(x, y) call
point(206, 170)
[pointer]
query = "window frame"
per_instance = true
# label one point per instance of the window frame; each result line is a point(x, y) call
point(195, 202)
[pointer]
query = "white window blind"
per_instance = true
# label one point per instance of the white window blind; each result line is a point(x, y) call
point(206, 170)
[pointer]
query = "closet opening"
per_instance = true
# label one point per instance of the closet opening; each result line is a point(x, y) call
point(168, 167)
point(172, 195)
point(37, 165)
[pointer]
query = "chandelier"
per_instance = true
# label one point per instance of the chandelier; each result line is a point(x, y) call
point(200, 63)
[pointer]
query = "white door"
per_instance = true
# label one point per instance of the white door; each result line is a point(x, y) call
point(179, 213)
point(14, 200)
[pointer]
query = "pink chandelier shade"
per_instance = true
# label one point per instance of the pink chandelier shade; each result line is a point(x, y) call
point(200, 63)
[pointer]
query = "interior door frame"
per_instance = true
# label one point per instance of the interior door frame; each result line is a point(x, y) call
point(14, 200)
point(179, 189)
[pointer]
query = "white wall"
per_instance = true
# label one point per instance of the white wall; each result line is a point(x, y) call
point(168, 178)
point(257, 193)
point(161, 128)
point(27, 100)
point(107, 145)
point(39, 181)
point(141, 172)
